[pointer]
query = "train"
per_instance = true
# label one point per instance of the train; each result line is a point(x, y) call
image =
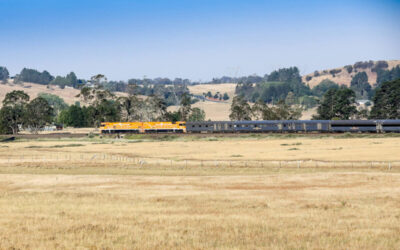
point(142, 127)
point(278, 126)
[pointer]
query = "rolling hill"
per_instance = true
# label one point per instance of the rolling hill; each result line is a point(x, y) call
point(343, 76)
point(33, 89)
point(215, 110)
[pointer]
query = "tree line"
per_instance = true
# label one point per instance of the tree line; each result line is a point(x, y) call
point(337, 103)
point(99, 105)
point(268, 88)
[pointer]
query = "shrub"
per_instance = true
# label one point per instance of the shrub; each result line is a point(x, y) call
point(349, 68)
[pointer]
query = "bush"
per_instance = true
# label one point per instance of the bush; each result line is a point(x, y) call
point(333, 72)
point(380, 65)
point(349, 68)
point(363, 65)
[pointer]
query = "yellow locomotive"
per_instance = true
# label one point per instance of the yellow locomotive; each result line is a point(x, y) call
point(142, 127)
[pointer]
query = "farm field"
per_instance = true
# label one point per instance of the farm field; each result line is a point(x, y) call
point(216, 111)
point(197, 192)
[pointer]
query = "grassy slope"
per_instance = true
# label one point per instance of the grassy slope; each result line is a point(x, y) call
point(344, 77)
point(194, 207)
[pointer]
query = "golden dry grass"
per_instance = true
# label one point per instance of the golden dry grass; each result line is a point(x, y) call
point(67, 130)
point(216, 111)
point(64, 194)
point(68, 94)
point(228, 88)
point(279, 211)
point(256, 147)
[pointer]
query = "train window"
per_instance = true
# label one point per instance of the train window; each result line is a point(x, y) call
point(206, 126)
point(255, 126)
point(193, 126)
point(199, 126)
point(181, 124)
point(230, 125)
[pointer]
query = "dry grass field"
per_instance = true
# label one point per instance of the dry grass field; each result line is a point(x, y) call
point(216, 111)
point(152, 193)
point(228, 88)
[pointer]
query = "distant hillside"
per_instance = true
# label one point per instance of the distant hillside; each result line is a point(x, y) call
point(342, 76)
point(33, 89)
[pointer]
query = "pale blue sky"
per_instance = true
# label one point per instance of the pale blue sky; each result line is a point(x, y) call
point(197, 39)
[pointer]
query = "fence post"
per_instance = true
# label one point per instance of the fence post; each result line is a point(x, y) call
point(298, 164)
point(390, 165)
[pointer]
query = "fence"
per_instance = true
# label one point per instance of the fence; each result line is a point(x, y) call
point(105, 159)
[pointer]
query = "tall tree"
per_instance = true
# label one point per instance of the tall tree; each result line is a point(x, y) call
point(324, 86)
point(4, 126)
point(286, 112)
point(359, 84)
point(387, 75)
point(57, 103)
point(337, 104)
point(4, 74)
point(387, 101)
point(13, 111)
point(73, 116)
point(32, 75)
point(261, 111)
point(38, 114)
point(240, 109)
point(197, 115)
point(129, 106)
point(72, 79)
point(185, 106)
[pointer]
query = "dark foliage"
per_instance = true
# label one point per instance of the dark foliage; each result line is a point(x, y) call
point(349, 68)
point(380, 65)
point(363, 65)
point(333, 72)
point(279, 84)
point(387, 75)
point(32, 75)
point(324, 86)
point(4, 74)
point(387, 101)
point(337, 104)
point(69, 80)
point(359, 84)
